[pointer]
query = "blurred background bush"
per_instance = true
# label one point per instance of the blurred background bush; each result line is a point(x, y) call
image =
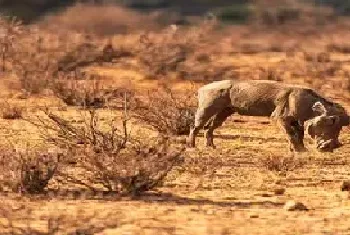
point(230, 11)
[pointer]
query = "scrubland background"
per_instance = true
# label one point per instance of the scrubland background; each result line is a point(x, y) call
point(97, 98)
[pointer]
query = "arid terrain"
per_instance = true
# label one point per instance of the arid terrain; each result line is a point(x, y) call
point(146, 81)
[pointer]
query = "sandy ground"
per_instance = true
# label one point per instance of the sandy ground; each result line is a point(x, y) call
point(226, 190)
point(222, 191)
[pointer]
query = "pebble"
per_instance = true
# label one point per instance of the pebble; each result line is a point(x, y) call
point(345, 186)
point(279, 191)
point(294, 206)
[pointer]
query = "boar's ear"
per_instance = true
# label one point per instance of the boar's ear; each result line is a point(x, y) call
point(331, 120)
point(310, 128)
point(319, 108)
point(345, 120)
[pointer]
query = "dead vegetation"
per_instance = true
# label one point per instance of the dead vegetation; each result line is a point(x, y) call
point(95, 149)
point(166, 111)
point(282, 164)
point(11, 111)
point(81, 90)
point(41, 58)
point(108, 155)
point(100, 20)
point(27, 171)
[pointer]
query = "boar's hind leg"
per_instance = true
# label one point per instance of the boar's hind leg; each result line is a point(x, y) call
point(216, 122)
point(203, 117)
point(295, 133)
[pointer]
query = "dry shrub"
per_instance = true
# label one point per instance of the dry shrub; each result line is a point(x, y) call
point(108, 155)
point(11, 111)
point(315, 68)
point(185, 53)
point(27, 171)
point(38, 57)
point(133, 170)
point(251, 48)
point(30, 54)
point(167, 111)
point(323, 70)
point(282, 163)
point(88, 52)
point(338, 47)
point(80, 89)
point(321, 57)
point(163, 53)
point(33, 61)
point(88, 90)
point(276, 13)
point(100, 20)
point(37, 171)
point(208, 71)
point(267, 73)
point(10, 30)
point(82, 54)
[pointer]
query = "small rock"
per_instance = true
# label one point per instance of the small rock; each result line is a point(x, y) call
point(210, 212)
point(263, 194)
point(62, 108)
point(278, 181)
point(22, 95)
point(279, 191)
point(254, 216)
point(294, 206)
point(345, 186)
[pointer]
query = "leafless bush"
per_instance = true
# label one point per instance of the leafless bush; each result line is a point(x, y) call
point(184, 53)
point(88, 52)
point(321, 57)
point(36, 56)
point(27, 171)
point(11, 111)
point(10, 30)
point(100, 20)
point(133, 170)
point(163, 53)
point(108, 155)
point(80, 89)
point(37, 172)
point(167, 111)
point(88, 91)
point(267, 73)
point(341, 48)
point(33, 61)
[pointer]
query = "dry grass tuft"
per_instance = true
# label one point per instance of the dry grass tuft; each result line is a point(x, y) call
point(282, 164)
point(27, 171)
point(11, 111)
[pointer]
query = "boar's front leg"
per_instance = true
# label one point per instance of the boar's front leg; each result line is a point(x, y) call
point(295, 133)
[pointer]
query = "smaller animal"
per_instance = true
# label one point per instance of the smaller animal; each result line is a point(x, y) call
point(293, 107)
